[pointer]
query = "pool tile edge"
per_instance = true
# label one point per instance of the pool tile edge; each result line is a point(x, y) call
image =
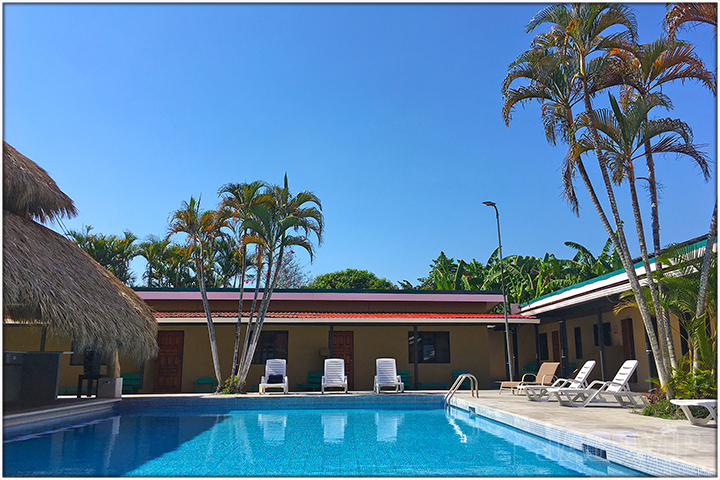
point(650, 464)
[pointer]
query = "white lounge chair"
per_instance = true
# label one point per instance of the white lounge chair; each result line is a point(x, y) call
point(545, 377)
point(598, 390)
point(334, 375)
point(539, 393)
point(386, 375)
point(709, 404)
point(275, 376)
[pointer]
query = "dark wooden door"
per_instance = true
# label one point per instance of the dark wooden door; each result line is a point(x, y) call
point(556, 345)
point(628, 340)
point(343, 348)
point(168, 366)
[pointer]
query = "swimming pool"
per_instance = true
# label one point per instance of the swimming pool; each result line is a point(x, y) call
point(387, 439)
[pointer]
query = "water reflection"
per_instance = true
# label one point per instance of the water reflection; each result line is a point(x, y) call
point(334, 426)
point(273, 426)
point(387, 423)
point(103, 447)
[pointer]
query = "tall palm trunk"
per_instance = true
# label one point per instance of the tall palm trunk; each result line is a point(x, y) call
point(238, 327)
point(704, 276)
point(661, 312)
point(252, 346)
point(208, 315)
point(264, 304)
point(240, 380)
point(620, 243)
point(663, 332)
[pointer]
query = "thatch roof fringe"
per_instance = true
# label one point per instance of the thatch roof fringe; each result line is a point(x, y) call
point(28, 190)
point(47, 279)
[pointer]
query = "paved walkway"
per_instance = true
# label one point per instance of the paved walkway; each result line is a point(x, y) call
point(653, 445)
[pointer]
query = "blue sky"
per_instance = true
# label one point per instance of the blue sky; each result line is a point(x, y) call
point(390, 114)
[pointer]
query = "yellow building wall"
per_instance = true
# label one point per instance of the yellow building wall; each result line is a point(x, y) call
point(469, 350)
point(475, 348)
point(614, 354)
point(26, 338)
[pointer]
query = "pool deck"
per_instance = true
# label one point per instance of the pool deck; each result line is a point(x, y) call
point(651, 445)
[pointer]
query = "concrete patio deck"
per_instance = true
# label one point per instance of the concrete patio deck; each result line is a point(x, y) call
point(651, 445)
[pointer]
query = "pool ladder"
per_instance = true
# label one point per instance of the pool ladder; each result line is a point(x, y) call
point(459, 381)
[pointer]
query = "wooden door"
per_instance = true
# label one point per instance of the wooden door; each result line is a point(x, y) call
point(343, 348)
point(168, 365)
point(556, 345)
point(628, 339)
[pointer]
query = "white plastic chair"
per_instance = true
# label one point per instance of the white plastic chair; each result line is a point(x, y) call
point(539, 393)
point(334, 375)
point(598, 390)
point(709, 404)
point(386, 375)
point(275, 366)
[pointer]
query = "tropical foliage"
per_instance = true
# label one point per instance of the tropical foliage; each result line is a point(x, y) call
point(201, 228)
point(352, 279)
point(110, 251)
point(526, 277)
point(589, 48)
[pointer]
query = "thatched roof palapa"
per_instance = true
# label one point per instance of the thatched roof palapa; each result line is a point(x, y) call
point(49, 280)
point(29, 191)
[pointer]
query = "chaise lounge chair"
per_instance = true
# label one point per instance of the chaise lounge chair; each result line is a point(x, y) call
point(710, 404)
point(545, 376)
point(334, 375)
point(275, 376)
point(539, 393)
point(598, 390)
point(386, 375)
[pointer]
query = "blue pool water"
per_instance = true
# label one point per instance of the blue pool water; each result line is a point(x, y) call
point(299, 442)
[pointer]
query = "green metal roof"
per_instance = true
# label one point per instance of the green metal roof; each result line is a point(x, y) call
point(694, 246)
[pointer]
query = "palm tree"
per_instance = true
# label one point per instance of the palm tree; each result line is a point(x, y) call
point(237, 200)
point(271, 224)
point(551, 83)
point(681, 294)
point(684, 14)
point(201, 228)
point(110, 251)
point(177, 268)
point(627, 137)
point(644, 70)
point(226, 262)
point(155, 251)
point(588, 32)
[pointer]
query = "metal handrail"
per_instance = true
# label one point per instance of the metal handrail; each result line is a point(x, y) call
point(459, 381)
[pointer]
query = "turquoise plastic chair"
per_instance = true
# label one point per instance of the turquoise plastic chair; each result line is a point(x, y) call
point(205, 381)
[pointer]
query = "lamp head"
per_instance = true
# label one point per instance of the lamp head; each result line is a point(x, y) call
point(489, 204)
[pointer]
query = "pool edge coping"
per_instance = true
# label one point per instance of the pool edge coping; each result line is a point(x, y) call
point(648, 463)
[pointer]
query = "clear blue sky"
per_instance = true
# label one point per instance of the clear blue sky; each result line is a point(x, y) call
point(390, 114)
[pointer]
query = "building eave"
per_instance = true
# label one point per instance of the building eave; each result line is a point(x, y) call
point(330, 318)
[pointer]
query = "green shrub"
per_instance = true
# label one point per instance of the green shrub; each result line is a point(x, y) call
point(663, 409)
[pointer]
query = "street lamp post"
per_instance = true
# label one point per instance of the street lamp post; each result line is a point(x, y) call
point(502, 276)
